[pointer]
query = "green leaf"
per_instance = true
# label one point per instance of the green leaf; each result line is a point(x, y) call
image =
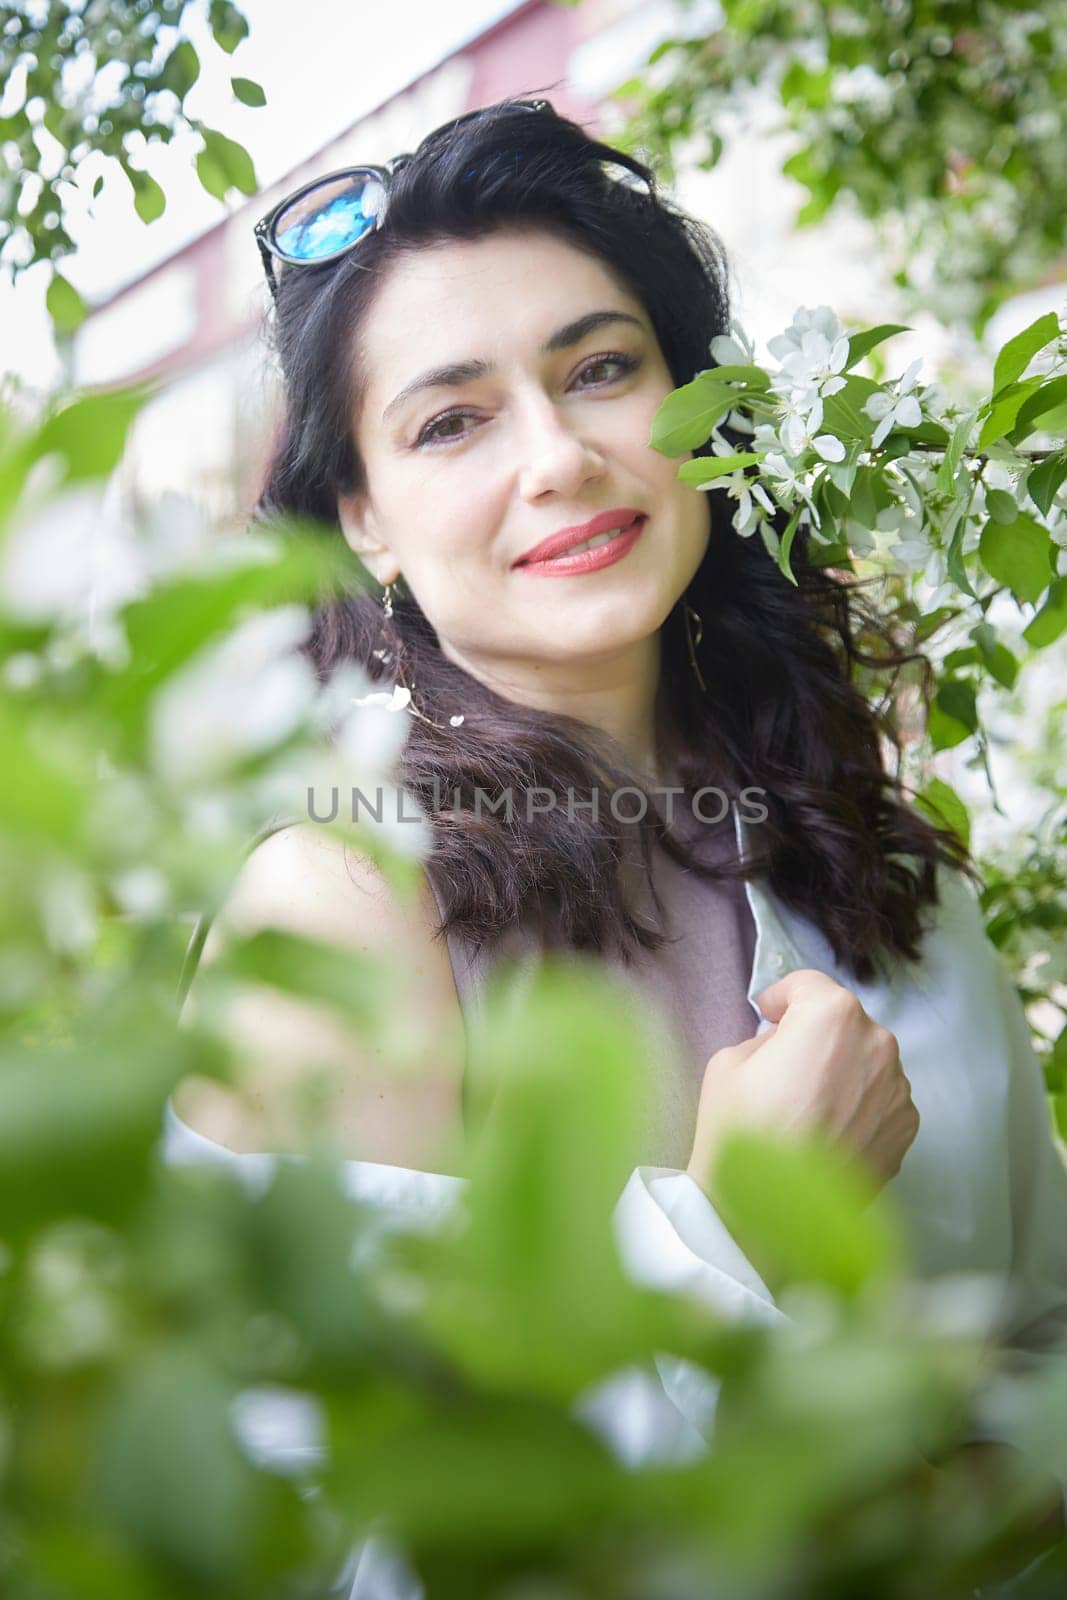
point(861, 343)
point(1051, 620)
point(804, 1213)
point(1002, 507)
point(1018, 353)
point(90, 433)
point(946, 476)
point(201, 1479)
point(149, 201)
point(248, 92)
point(956, 699)
point(65, 305)
point(685, 419)
point(49, 800)
point(1046, 399)
point(227, 24)
point(843, 413)
point(998, 659)
point(174, 621)
point(787, 544)
point(356, 984)
point(945, 732)
point(212, 177)
point(557, 1078)
point(953, 715)
point(954, 560)
point(1004, 411)
point(181, 69)
point(1018, 556)
point(227, 160)
point(945, 809)
point(803, 83)
point(1044, 481)
point(704, 469)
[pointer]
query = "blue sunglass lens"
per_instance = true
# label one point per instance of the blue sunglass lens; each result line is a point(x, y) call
point(328, 218)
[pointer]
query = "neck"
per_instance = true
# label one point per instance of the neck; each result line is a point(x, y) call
point(615, 694)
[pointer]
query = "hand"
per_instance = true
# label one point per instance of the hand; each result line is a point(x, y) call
point(824, 1066)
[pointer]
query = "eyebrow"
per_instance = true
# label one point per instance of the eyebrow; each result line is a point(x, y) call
point(456, 373)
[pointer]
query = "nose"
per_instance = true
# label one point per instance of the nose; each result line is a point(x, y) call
point(556, 456)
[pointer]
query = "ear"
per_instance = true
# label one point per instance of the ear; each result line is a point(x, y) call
point(359, 526)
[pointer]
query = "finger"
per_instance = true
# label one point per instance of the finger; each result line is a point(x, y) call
point(805, 982)
point(734, 1054)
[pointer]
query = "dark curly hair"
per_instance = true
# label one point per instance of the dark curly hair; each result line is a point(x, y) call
point(784, 710)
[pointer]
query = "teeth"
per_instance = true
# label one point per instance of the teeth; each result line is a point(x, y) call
point(601, 538)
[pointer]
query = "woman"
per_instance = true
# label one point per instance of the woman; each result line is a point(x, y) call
point(474, 343)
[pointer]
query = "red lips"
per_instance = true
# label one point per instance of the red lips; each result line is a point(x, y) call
point(557, 544)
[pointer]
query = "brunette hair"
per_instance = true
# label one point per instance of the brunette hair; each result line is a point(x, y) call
point(786, 666)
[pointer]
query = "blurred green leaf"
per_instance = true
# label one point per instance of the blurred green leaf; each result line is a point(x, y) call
point(1051, 620)
point(223, 164)
point(181, 69)
point(997, 658)
point(1018, 555)
point(360, 987)
point(149, 201)
point(558, 1076)
point(88, 1115)
point(227, 24)
point(956, 699)
point(248, 92)
point(65, 305)
point(803, 1212)
point(89, 432)
point(944, 807)
point(168, 626)
point(167, 1469)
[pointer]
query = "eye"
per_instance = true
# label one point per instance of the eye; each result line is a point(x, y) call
point(627, 364)
point(432, 433)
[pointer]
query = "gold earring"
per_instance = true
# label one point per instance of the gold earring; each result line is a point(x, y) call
point(692, 615)
point(387, 602)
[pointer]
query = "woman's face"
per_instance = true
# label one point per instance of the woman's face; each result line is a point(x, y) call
point(542, 425)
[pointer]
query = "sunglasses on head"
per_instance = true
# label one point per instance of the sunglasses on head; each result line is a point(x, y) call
point(325, 219)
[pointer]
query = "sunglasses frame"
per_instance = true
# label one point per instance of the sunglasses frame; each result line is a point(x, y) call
point(263, 231)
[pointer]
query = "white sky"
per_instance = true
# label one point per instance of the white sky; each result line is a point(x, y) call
point(322, 63)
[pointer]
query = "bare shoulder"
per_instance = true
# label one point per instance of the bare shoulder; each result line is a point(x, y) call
point(290, 1054)
point(307, 880)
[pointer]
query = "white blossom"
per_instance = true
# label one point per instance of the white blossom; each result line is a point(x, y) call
point(733, 349)
point(799, 436)
point(752, 501)
point(899, 409)
point(811, 371)
point(398, 699)
point(73, 561)
point(238, 697)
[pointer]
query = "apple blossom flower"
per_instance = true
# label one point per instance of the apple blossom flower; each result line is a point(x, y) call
point(899, 409)
point(799, 436)
point(733, 349)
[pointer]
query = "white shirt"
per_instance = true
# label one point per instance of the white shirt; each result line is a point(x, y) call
point(982, 1188)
